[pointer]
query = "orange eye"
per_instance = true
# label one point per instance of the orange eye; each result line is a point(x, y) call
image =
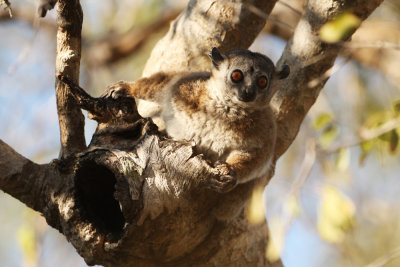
point(262, 82)
point(236, 76)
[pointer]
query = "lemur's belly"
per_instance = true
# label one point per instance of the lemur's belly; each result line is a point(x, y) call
point(213, 138)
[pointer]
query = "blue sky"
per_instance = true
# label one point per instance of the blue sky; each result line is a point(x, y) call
point(28, 123)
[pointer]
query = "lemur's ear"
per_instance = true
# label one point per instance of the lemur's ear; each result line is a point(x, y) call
point(216, 57)
point(283, 72)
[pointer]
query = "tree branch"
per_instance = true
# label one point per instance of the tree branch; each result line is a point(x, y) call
point(25, 15)
point(372, 35)
point(7, 5)
point(309, 58)
point(203, 25)
point(16, 177)
point(44, 6)
point(71, 119)
point(136, 197)
point(118, 46)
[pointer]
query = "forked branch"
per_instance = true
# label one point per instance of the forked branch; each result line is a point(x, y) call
point(136, 197)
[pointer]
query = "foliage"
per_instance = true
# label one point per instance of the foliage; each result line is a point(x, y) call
point(336, 216)
point(340, 28)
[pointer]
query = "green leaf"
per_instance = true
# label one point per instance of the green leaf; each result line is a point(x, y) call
point(255, 212)
point(386, 136)
point(366, 146)
point(328, 136)
point(322, 120)
point(394, 141)
point(343, 159)
point(396, 107)
point(292, 205)
point(277, 242)
point(340, 28)
point(27, 240)
point(335, 215)
point(362, 159)
point(392, 138)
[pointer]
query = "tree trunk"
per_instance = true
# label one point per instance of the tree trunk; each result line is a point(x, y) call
point(134, 197)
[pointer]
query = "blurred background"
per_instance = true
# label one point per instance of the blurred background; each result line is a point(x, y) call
point(334, 197)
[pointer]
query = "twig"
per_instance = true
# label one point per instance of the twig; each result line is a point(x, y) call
point(95, 106)
point(296, 11)
point(31, 18)
point(365, 135)
point(27, 47)
point(375, 45)
point(46, 5)
point(8, 7)
point(280, 23)
point(382, 261)
point(114, 48)
point(102, 109)
point(83, 98)
point(327, 74)
point(257, 11)
point(305, 168)
point(368, 134)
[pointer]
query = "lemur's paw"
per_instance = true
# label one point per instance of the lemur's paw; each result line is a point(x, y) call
point(117, 90)
point(225, 181)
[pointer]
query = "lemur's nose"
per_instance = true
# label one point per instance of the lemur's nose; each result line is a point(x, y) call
point(248, 94)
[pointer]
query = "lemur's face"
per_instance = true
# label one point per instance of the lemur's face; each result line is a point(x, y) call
point(243, 77)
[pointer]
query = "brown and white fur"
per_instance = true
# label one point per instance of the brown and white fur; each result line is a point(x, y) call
point(229, 121)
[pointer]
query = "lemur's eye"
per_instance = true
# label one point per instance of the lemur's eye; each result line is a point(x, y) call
point(262, 82)
point(236, 76)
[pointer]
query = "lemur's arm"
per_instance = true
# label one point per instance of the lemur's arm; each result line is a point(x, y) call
point(155, 87)
point(148, 88)
point(248, 165)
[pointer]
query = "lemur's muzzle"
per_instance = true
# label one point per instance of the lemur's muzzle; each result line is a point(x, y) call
point(247, 94)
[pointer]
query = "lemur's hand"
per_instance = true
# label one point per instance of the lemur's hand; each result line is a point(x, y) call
point(225, 180)
point(116, 103)
point(117, 90)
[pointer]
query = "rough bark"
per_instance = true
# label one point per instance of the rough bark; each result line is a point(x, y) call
point(310, 59)
point(374, 44)
point(70, 117)
point(204, 24)
point(136, 197)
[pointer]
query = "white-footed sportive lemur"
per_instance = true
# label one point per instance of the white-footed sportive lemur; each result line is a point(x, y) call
point(226, 112)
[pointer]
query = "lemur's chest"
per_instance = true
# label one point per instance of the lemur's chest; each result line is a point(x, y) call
point(212, 137)
point(215, 136)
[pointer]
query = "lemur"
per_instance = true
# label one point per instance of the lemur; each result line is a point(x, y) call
point(226, 112)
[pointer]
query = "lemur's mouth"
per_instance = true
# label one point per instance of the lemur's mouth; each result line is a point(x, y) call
point(247, 96)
